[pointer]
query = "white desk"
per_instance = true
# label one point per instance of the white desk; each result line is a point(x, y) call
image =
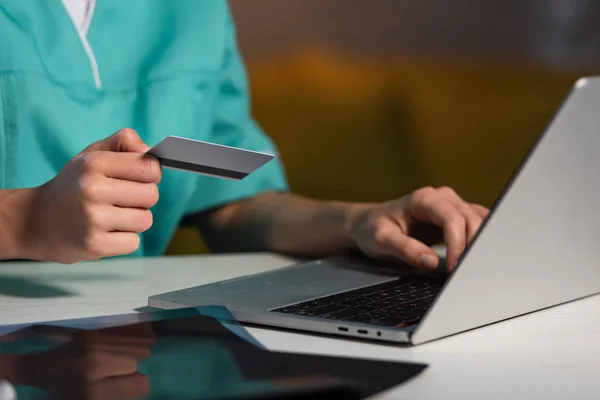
point(552, 354)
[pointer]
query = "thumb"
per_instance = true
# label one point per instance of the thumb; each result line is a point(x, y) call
point(124, 140)
point(415, 252)
point(391, 240)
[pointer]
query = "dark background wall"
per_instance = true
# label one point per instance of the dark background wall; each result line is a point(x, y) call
point(371, 99)
point(558, 33)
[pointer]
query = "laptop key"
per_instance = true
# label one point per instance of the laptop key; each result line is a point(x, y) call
point(376, 296)
point(379, 313)
point(366, 307)
point(388, 302)
point(345, 304)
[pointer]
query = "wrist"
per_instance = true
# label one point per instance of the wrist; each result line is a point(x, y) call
point(14, 215)
point(354, 214)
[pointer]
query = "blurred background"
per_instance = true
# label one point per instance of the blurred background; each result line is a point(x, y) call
point(369, 100)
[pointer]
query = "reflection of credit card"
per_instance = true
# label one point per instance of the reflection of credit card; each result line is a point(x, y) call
point(208, 158)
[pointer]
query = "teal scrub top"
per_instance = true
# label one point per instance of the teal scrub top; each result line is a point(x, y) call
point(163, 68)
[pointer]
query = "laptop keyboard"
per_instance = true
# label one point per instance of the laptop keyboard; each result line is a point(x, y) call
point(397, 303)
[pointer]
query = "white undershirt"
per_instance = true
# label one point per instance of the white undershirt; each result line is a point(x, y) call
point(81, 13)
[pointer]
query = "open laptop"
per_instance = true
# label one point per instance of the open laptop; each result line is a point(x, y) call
point(539, 247)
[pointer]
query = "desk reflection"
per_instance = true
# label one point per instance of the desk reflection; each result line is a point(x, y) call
point(186, 356)
point(192, 358)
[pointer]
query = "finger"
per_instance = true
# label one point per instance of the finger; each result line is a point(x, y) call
point(441, 212)
point(414, 252)
point(481, 210)
point(390, 240)
point(110, 244)
point(127, 166)
point(111, 219)
point(122, 193)
point(127, 140)
point(101, 365)
point(472, 218)
point(124, 140)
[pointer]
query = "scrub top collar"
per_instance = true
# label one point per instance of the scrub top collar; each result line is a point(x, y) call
point(81, 13)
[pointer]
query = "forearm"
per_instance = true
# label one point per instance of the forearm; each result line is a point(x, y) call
point(13, 205)
point(284, 223)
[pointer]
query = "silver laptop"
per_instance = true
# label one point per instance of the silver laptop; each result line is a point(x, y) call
point(538, 248)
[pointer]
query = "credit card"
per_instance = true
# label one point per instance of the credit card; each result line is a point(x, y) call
point(208, 158)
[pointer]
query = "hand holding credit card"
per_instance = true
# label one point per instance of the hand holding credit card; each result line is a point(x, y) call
point(208, 158)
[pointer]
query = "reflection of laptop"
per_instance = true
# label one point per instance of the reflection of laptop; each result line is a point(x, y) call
point(539, 247)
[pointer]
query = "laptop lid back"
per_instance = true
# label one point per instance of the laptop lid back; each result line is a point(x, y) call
point(540, 245)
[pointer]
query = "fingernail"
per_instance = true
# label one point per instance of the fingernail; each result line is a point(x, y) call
point(428, 261)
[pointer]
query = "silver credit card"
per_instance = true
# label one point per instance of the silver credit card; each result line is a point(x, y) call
point(208, 158)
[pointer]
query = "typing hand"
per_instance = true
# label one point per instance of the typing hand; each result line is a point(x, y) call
point(97, 204)
point(406, 228)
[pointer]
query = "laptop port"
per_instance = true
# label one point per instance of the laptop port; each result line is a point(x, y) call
point(342, 329)
point(363, 331)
